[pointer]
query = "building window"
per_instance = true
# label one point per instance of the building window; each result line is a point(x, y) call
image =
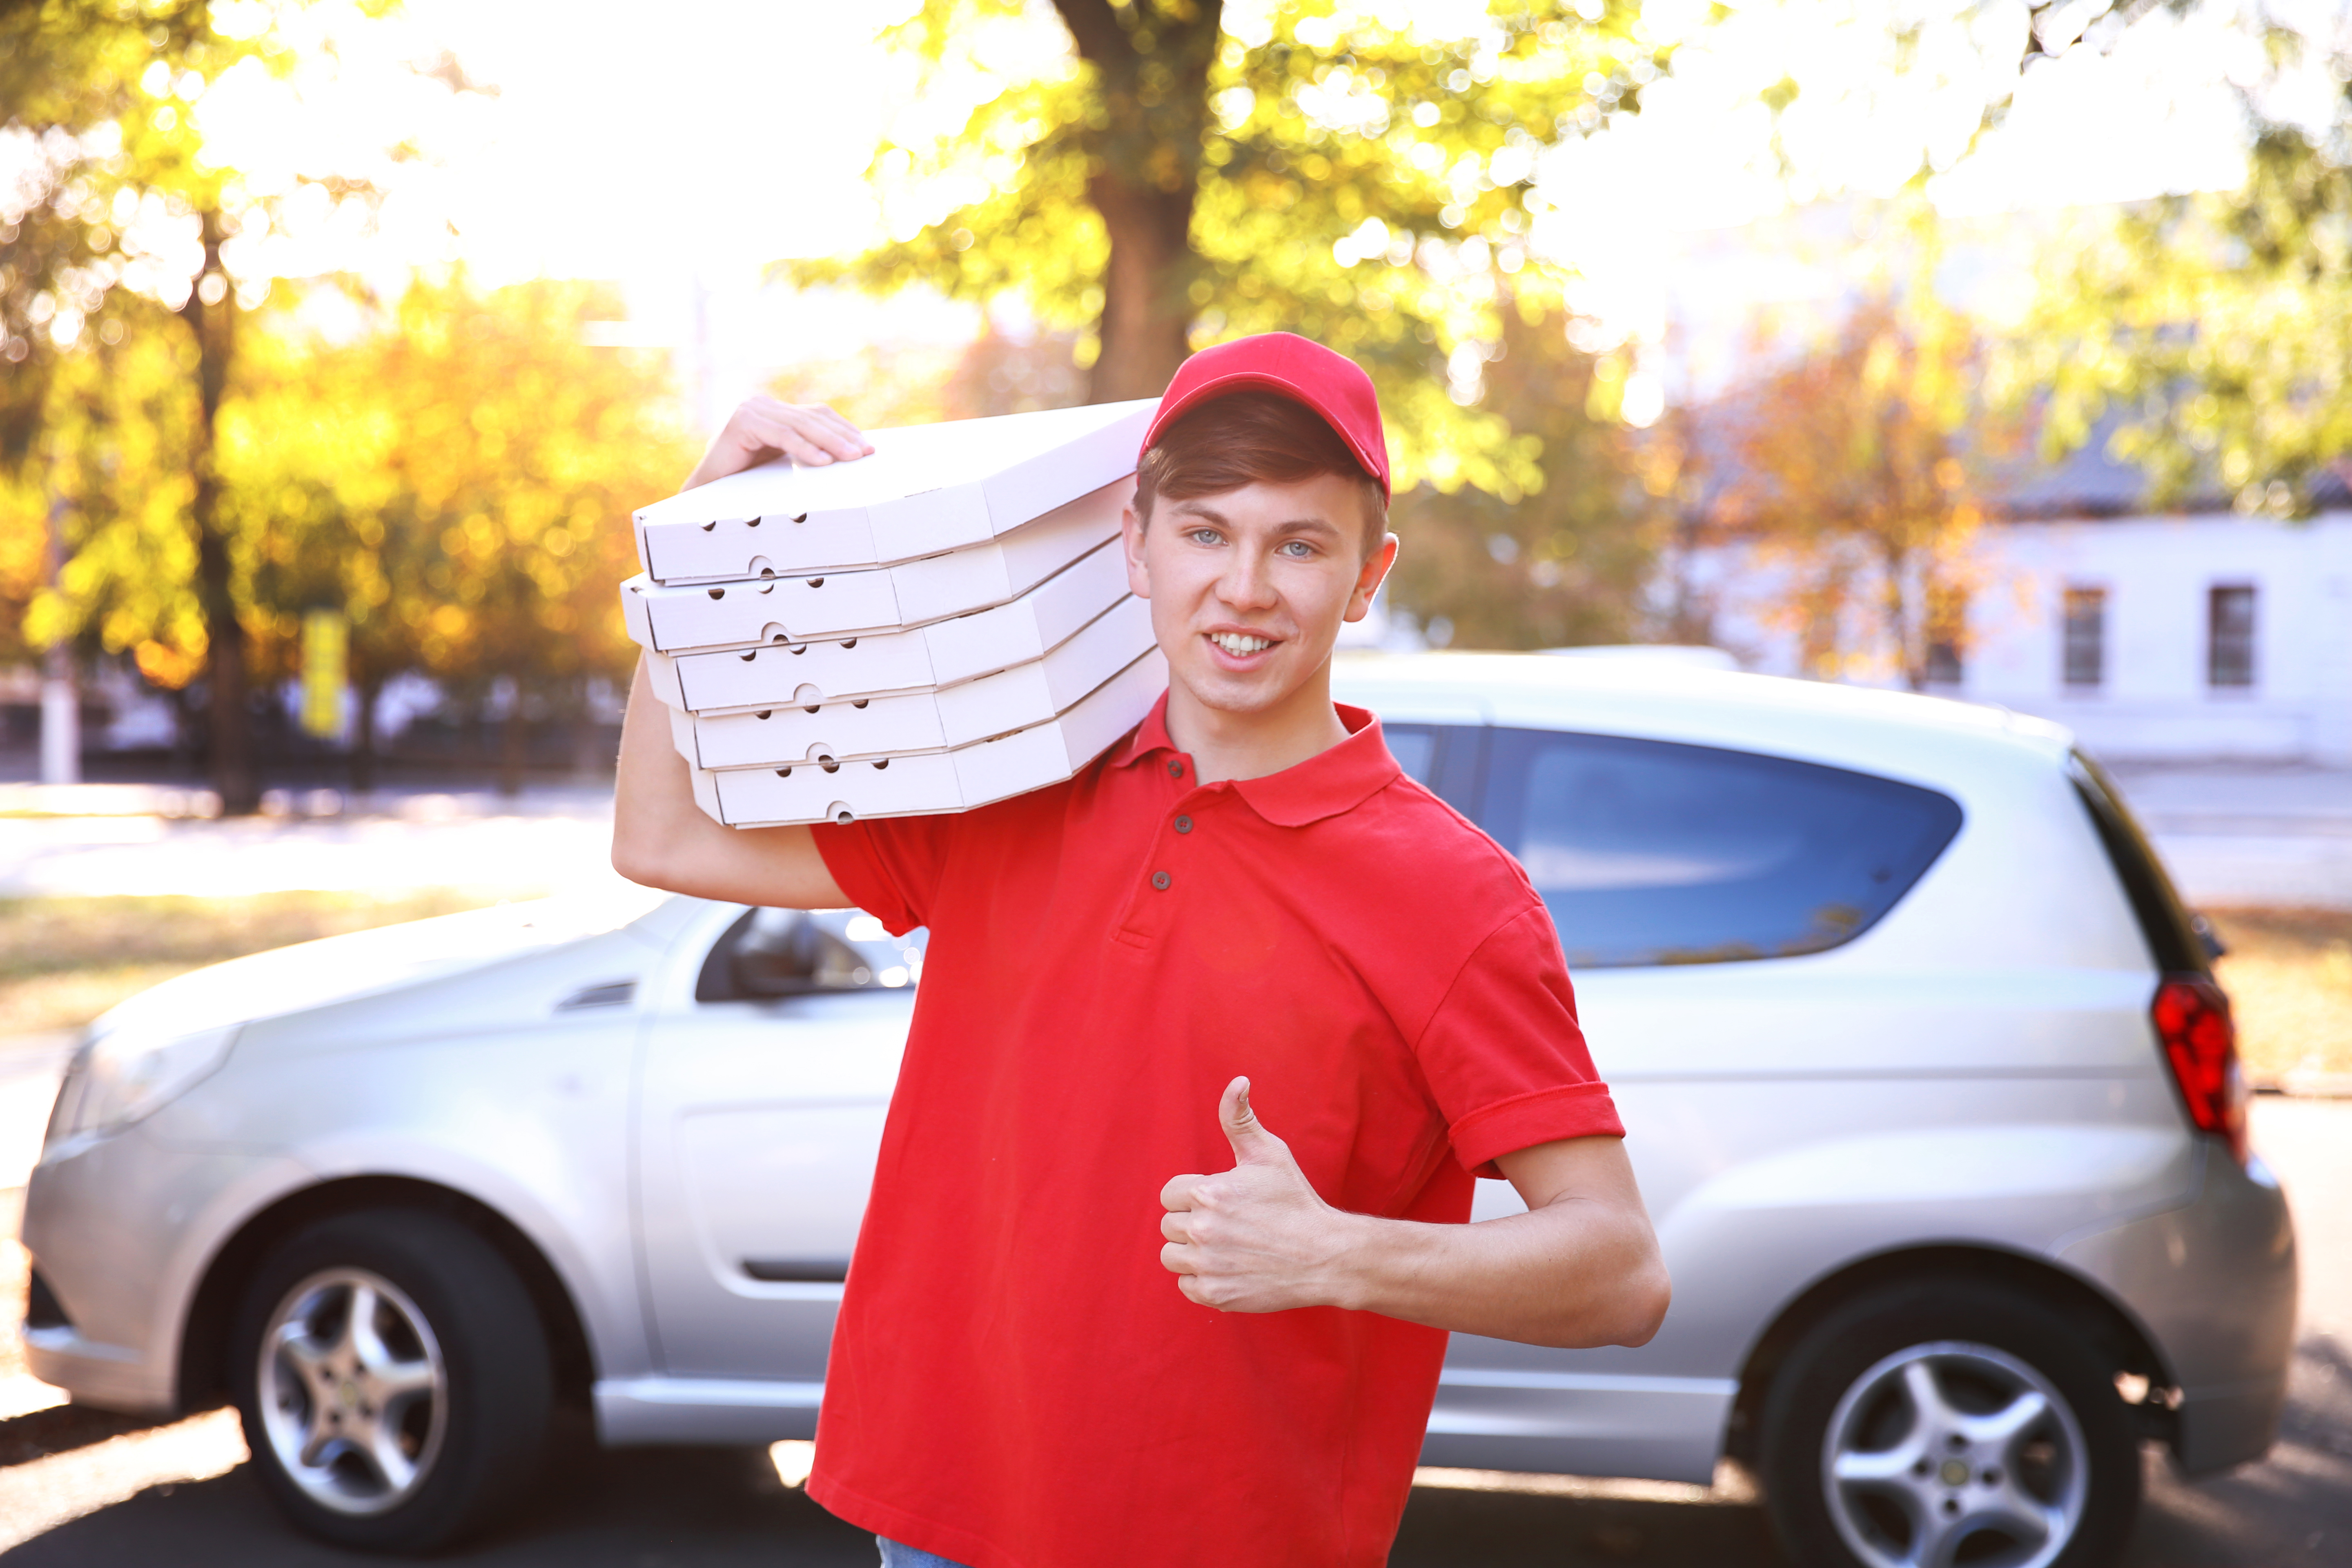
point(2229, 636)
point(2085, 661)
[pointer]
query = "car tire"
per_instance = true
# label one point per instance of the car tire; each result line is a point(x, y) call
point(1942, 1409)
point(393, 1379)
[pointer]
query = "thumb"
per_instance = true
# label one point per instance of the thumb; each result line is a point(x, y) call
point(1253, 1145)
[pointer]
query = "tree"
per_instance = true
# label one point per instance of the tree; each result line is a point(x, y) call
point(123, 201)
point(1565, 565)
point(463, 469)
point(1846, 473)
point(1174, 181)
point(2212, 334)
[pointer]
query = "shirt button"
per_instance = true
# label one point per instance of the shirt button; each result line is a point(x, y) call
point(1176, 770)
point(1183, 824)
point(1159, 879)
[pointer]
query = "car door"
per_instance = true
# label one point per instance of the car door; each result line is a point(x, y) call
point(761, 1110)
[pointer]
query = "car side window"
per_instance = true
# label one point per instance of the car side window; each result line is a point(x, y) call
point(1649, 852)
point(768, 954)
point(1445, 758)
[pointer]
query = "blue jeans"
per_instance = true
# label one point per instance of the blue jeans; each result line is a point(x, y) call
point(896, 1556)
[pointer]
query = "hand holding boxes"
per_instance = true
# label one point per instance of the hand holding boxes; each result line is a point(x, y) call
point(941, 625)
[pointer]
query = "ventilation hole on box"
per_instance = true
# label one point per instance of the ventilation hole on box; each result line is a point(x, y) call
point(767, 571)
point(802, 518)
point(769, 588)
point(810, 709)
point(718, 593)
point(784, 772)
point(711, 524)
point(828, 765)
point(751, 522)
point(816, 582)
point(859, 703)
point(747, 657)
point(763, 713)
point(880, 765)
point(798, 648)
point(841, 814)
point(851, 643)
point(807, 693)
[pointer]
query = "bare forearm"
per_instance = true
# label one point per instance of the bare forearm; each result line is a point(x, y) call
point(1573, 1274)
point(663, 839)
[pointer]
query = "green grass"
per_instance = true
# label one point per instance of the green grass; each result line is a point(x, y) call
point(2289, 976)
point(65, 961)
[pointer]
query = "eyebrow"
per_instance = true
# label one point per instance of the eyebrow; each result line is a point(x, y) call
point(1290, 526)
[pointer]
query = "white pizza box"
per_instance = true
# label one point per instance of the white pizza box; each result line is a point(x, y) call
point(927, 488)
point(945, 652)
point(929, 783)
point(958, 715)
point(839, 604)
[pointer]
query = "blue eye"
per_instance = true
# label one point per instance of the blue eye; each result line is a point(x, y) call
point(1203, 536)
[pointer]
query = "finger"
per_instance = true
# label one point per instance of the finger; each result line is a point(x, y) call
point(1172, 1227)
point(1253, 1145)
point(1178, 1259)
point(1178, 1195)
point(842, 427)
point(833, 435)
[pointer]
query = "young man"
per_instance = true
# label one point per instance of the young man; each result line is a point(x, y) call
point(1244, 909)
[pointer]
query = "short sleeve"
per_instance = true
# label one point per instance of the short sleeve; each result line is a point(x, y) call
point(890, 867)
point(1503, 1054)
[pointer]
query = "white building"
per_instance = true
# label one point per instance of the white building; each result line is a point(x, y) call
point(2172, 637)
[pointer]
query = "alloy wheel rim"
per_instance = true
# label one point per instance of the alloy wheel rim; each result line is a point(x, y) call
point(354, 1396)
point(1951, 1452)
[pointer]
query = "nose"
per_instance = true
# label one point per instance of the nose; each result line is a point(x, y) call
point(1247, 583)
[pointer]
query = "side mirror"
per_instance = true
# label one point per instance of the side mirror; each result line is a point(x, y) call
point(784, 953)
point(2210, 939)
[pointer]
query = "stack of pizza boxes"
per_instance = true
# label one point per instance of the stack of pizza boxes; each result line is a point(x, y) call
point(941, 625)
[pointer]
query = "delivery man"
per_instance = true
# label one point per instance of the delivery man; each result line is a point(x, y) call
point(1170, 1220)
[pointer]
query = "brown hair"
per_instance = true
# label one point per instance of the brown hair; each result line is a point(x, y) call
point(1249, 437)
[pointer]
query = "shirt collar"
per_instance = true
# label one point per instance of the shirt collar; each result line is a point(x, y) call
point(1326, 783)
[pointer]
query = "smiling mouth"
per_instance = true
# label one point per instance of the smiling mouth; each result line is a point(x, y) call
point(1240, 645)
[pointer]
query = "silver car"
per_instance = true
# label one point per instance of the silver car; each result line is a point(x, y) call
point(1932, 1096)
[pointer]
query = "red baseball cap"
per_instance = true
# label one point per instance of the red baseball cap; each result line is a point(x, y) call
point(1330, 384)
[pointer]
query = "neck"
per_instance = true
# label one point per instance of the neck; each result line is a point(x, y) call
point(1227, 745)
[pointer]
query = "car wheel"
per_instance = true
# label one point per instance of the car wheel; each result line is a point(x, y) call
point(1948, 1423)
point(393, 1379)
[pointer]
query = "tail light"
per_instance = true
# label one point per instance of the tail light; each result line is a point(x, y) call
point(2200, 1044)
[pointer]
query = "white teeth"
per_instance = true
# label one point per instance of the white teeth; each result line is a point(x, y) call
point(1236, 644)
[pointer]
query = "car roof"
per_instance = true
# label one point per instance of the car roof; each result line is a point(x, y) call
point(1670, 698)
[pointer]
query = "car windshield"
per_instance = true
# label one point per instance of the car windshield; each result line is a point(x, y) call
point(1653, 852)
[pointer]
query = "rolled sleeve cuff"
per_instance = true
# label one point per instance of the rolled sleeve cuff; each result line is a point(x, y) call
point(858, 871)
point(1543, 1116)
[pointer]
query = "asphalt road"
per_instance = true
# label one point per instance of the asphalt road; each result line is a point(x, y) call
point(721, 1507)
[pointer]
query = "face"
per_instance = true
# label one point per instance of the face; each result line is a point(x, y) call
point(1249, 588)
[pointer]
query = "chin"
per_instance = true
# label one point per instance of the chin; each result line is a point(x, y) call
point(1226, 694)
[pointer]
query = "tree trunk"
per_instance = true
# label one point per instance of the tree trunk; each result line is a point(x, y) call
point(514, 738)
point(228, 715)
point(368, 688)
point(1152, 73)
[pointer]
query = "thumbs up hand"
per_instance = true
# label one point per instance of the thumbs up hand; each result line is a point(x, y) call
point(1257, 1239)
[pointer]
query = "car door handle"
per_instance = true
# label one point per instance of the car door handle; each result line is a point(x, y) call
point(797, 1270)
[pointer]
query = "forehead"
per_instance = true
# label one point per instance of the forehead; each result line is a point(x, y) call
point(1318, 501)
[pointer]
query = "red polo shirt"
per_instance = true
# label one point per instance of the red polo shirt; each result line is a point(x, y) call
point(1015, 1382)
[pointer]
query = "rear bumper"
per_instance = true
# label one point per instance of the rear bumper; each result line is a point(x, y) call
point(2213, 1284)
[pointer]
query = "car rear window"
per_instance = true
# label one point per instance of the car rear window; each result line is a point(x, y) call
point(1649, 852)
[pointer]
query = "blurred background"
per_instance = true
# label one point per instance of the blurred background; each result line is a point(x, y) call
point(1987, 349)
point(1991, 349)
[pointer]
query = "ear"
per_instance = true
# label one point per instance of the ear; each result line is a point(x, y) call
point(1368, 579)
point(1130, 537)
